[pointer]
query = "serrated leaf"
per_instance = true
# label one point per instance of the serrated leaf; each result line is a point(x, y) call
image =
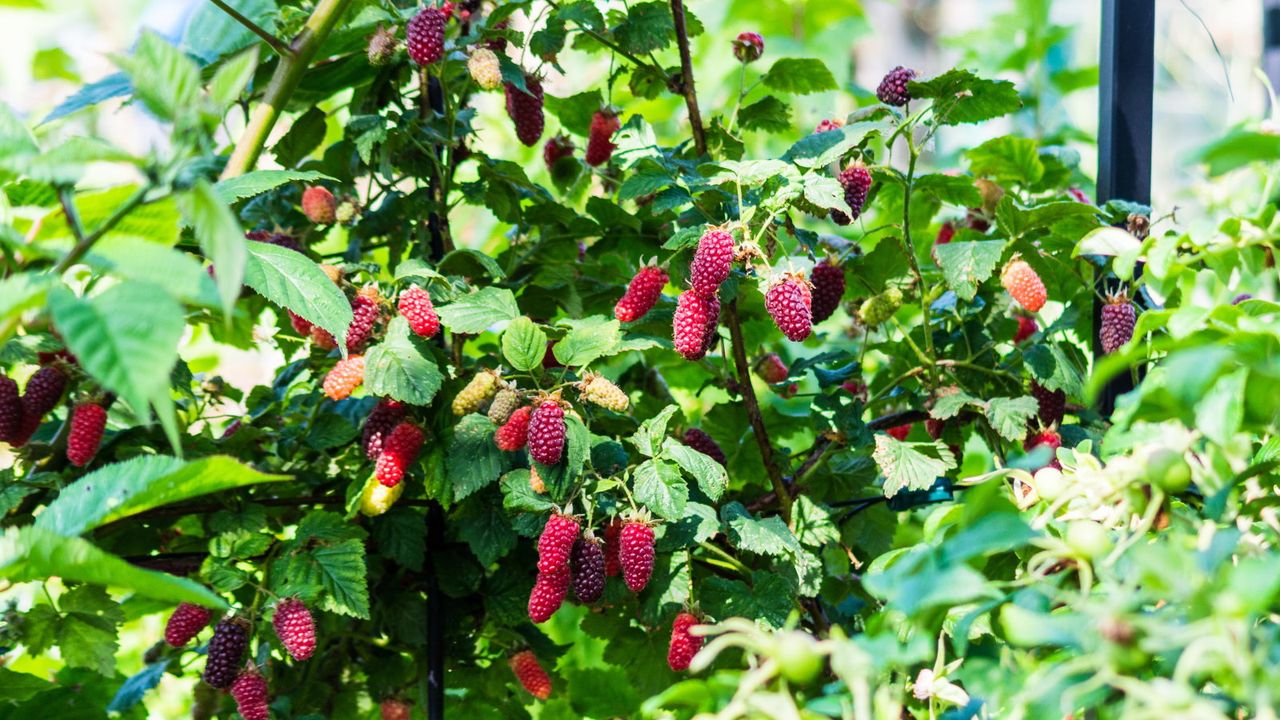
point(164, 79)
point(231, 78)
point(1053, 366)
point(473, 460)
point(767, 599)
point(518, 496)
point(260, 181)
point(948, 406)
point(304, 136)
point(907, 465)
point(401, 367)
point(1009, 416)
point(342, 574)
point(768, 113)
point(824, 191)
point(87, 642)
point(588, 340)
point(762, 536)
point(293, 282)
point(474, 313)
point(1007, 159)
point(647, 27)
point(660, 488)
point(524, 344)
point(962, 97)
point(221, 239)
point(470, 263)
point(710, 475)
point(966, 265)
point(953, 189)
point(800, 76)
point(698, 524)
point(649, 438)
point(487, 533)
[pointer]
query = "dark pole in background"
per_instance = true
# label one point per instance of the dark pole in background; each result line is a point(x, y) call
point(1271, 42)
point(435, 513)
point(1125, 96)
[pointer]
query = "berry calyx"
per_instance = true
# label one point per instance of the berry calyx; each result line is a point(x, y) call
point(525, 110)
point(416, 308)
point(530, 674)
point(425, 35)
point(748, 47)
point(185, 623)
point(702, 442)
point(547, 433)
point(856, 181)
point(318, 205)
point(684, 645)
point(893, 88)
point(642, 294)
point(399, 451)
point(344, 378)
point(828, 283)
point(88, 421)
point(711, 262)
point(226, 649)
point(1118, 320)
point(636, 554)
point(1022, 282)
point(600, 147)
point(296, 628)
point(790, 304)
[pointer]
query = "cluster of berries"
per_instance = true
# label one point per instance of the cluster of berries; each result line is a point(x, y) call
point(566, 560)
point(22, 413)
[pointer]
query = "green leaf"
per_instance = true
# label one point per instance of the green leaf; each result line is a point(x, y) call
point(470, 263)
point(961, 97)
point(824, 191)
point(304, 136)
point(588, 340)
point(165, 80)
point(768, 598)
point(1007, 159)
point(487, 533)
point(1056, 367)
point(767, 536)
point(399, 536)
point(292, 281)
point(473, 460)
point(1009, 416)
point(126, 338)
point(1239, 149)
point(19, 686)
point(221, 239)
point(231, 78)
point(953, 189)
point(518, 496)
point(966, 265)
point(260, 181)
point(179, 274)
point(474, 313)
point(648, 27)
point(524, 344)
point(22, 291)
point(127, 488)
point(649, 438)
point(769, 113)
point(908, 465)
point(660, 488)
point(35, 554)
point(401, 367)
point(800, 76)
point(342, 574)
point(948, 406)
point(710, 475)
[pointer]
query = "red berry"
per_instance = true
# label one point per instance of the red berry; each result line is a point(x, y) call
point(641, 295)
point(323, 339)
point(10, 409)
point(893, 88)
point(416, 308)
point(44, 390)
point(1078, 195)
point(748, 47)
point(934, 427)
point(300, 325)
point(546, 433)
point(946, 233)
point(399, 451)
point(684, 645)
point(549, 361)
point(1048, 438)
point(828, 124)
point(899, 432)
point(381, 421)
point(976, 221)
point(1022, 282)
point(319, 205)
point(827, 279)
point(772, 369)
point(425, 35)
point(599, 140)
point(366, 310)
point(296, 628)
point(185, 623)
point(226, 648)
point(514, 433)
point(525, 110)
point(713, 322)
point(1053, 403)
point(1118, 320)
point(530, 674)
point(635, 554)
point(392, 709)
point(856, 389)
point(344, 378)
point(88, 421)
point(556, 149)
point(703, 443)
point(555, 544)
point(251, 695)
point(1026, 328)
point(694, 320)
point(612, 532)
point(711, 263)
point(856, 181)
point(548, 594)
point(587, 565)
point(790, 304)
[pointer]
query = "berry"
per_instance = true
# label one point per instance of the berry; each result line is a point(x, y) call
point(530, 674)
point(692, 323)
point(393, 709)
point(856, 181)
point(472, 397)
point(250, 693)
point(525, 110)
point(548, 594)
point(425, 35)
point(790, 304)
point(711, 262)
point(88, 421)
point(399, 451)
point(1049, 438)
point(344, 378)
point(641, 295)
point(840, 217)
point(483, 66)
point(556, 149)
point(1022, 282)
point(296, 628)
point(587, 565)
point(273, 238)
point(535, 481)
point(498, 42)
point(382, 46)
point(226, 648)
point(703, 443)
point(879, 308)
point(684, 645)
point(946, 233)
point(1078, 195)
point(856, 389)
point(893, 88)
point(713, 322)
point(1026, 328)
point(514, 433)
point(772, 369)
point(376, 498)
point(899, 432)
point(381, 421)
point(546, 433)
point(346, 212)
point(10, 409)
point(503, 405)
point(366, 310)
point(828, 124)
point(555, 544)
point(599, 390)
point(934, 427)
point(635, 554)
point(599, 139)
point(300, 325)
point(416, 308)
point(1052, 403)
point(748, 47)
point(827, 279)
point(185, 623)
point(612, 533)
point(44, 390)
point(1118, 319)
point(323, 339)
point(318, 205)
point(549, 361)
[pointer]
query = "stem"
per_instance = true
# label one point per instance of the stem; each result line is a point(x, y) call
point(909, 249)
point(84, 242)
point(690, 95)
point(753, 409)
point(281, 49)
point(285, 80)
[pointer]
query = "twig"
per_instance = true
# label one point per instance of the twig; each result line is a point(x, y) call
point(84, 242)
point(686, 70)
point(753, 409)
point(281, 49)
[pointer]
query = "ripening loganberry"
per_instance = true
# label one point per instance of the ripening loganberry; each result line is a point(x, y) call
point(899, 432)
point(635, 554)
point(772, 369)
point(530, 674)
point(612, 534)
point(382, 46)
point(684, 645)
point(856, 181)
point(587, 566)
point(525, 110)
point(484, 69)
point(790, 304)
point(1118, 320)
point(555, 544)
point(748, 47)
point(366, 311)
point(300, 325)
point(392, 709)
point(828, 282)
point(599, 390)
point(251, 695)
point(344, 378)
point(558, 147)
point(1052, 403)
point(703, 443)
point(472, 397)
point(546, 433)
point(376, 498)
point(1048, 438)
point(548, 594)
point(599, 139)
point(185, 623)
point(416, 308)
point(296, 628)
point(503, 405)
point(1026, 328)
point(514, 433)
point(879, 308)
point(88, 421)
point(1022, 282)
point(10, 409)
point(226, 648)
point(381, 421)
point(828, 124)
point(399, 451)
point(425, 35)
point(318, 205)
point(641, 295)
point(692, 323)
point(711, 262)
point(893, 88)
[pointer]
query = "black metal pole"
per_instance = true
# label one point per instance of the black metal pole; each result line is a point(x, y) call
point(435, 514)
point(1271, 42)
point(1125, 97)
